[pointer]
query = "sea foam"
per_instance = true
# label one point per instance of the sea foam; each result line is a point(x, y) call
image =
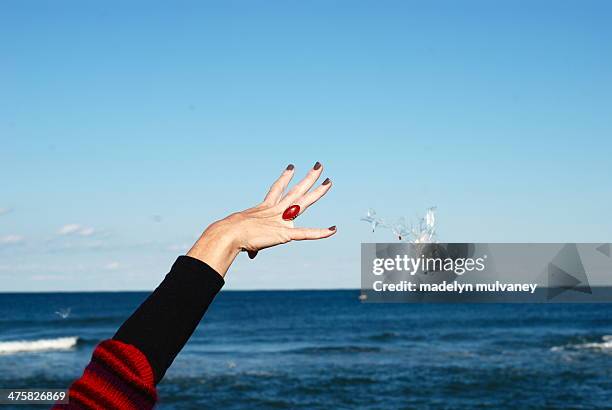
point(604, 345)
point(18, 346)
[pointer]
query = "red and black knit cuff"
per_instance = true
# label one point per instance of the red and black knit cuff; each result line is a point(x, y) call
point(118, 377)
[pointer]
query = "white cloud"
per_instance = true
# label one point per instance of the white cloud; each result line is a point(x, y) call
point(76, 229)
point(112, 265)
point(87, 231)
point(11, 239)
point(4, 211)
point(69, 229)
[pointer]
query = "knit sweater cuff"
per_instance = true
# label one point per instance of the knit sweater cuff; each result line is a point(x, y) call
point(118, 376)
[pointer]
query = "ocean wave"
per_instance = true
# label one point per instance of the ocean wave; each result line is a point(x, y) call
point(604, 345)
point(384, 336)
point(40, 345)
point(335, 349)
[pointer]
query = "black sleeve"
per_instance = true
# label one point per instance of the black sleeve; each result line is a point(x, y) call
point(161, 326)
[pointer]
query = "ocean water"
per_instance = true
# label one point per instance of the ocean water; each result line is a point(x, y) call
point(326, 350)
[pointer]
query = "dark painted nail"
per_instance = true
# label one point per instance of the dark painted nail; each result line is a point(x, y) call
point(327, 181)
point(317, 165)
point(332, 228)
point(290, 167)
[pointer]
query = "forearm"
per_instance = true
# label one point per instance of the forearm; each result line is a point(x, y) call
point(161, 326)
point(123, 372)
point(216, 247)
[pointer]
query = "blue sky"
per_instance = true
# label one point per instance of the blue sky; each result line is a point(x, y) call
point(127, 128)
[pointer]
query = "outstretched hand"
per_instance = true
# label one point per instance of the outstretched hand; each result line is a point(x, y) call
point(263, 226)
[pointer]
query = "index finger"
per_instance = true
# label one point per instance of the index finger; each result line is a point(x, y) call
point(303, 186)
point(279, 186)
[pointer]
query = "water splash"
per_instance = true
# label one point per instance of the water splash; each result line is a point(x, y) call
point(400, 229)
point(373, 220)
point(64, 313)
point(423, 231)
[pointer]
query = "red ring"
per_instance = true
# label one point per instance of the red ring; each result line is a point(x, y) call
point(291, 213)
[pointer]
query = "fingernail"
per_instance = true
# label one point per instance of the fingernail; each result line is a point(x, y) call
point(290, 167)
point(332, 228)
point(317, 165)
point(327, 181)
